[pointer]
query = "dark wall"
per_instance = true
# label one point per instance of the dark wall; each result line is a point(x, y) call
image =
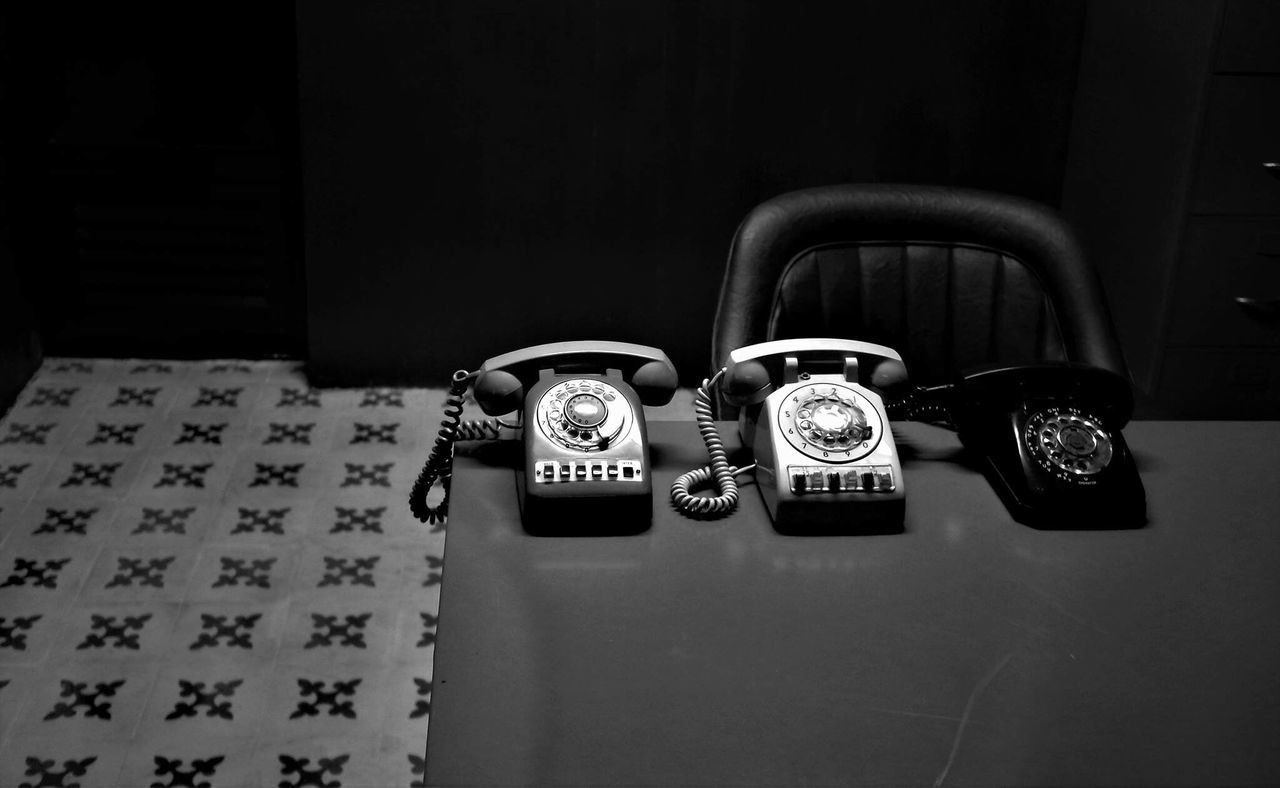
point(481, 175)
point(154, 176)
point(19, 343)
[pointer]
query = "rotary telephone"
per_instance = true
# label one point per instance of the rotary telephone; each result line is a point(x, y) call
point(586, 464)
point(814, 417)
point(1048, 439)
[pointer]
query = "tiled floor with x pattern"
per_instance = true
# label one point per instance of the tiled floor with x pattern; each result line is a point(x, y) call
point(209, 576)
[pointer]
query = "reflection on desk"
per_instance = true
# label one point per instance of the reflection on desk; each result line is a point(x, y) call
point(969, 649)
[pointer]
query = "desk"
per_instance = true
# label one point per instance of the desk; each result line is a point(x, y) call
point(967, 650)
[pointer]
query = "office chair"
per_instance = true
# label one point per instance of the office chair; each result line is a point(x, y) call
point(949, 277)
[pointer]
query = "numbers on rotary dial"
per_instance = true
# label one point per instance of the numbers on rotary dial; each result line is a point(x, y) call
point(583, 414)
point(830, 422)
point(1068, 441)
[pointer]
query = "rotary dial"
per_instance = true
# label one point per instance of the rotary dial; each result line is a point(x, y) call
point(584, 414)
point(829, 422)
point(1068, 440)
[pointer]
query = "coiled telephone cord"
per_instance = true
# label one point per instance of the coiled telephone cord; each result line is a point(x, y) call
point(479, 429)
point(925, 404)
point(719, 471)
point(439, 466)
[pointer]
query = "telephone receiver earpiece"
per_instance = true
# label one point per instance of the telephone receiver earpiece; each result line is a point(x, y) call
point(498, 391)
point(890, 376)
point(655, 383)
point(745, 383)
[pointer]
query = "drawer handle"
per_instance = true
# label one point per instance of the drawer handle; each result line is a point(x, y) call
point(1260, 308)
point(1272, 168)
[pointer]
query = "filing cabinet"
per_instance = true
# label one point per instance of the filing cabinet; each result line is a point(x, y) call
point(1241, 134)
point(1226, 283)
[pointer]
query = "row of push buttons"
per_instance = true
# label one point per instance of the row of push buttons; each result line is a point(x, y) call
point(861, 478)
point(587, 471)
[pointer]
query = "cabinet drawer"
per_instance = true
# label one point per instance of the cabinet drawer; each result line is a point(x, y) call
point(1224, 259)
point(1219, 384)
point(1247, 43)
point(1241, 134)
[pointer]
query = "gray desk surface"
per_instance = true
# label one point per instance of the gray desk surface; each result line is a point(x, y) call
point(967, 650)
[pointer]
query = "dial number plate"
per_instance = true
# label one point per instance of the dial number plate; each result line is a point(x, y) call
point(830, 422)
point(584, 414)
point(1069, 441)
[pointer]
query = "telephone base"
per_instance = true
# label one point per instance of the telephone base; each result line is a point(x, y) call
point(830, 518)
point(614, 513)
point(814, 486)
point(1105, 508)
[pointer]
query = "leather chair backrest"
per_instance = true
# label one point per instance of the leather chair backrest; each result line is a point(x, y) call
point(944, 307)
point(951, 278)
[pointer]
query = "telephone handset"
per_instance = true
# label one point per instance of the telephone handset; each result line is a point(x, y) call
point(1049, 440)
point(814, 417)
point(586, 464)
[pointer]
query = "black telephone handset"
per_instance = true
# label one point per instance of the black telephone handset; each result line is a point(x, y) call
point(586, 464)
point(1048, 437)
point(813, 415)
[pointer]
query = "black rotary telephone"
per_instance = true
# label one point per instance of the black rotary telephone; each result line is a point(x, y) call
point(1048, 439)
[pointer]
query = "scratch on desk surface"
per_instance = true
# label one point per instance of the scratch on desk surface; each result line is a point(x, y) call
point(964, 717)
point(1061, 608)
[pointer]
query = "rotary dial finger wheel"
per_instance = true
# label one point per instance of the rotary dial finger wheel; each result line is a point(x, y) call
point(583, 414)
point(830, 422)
point(1069, 441)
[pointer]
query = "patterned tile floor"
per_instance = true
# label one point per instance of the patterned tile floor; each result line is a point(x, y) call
point(209, 577)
